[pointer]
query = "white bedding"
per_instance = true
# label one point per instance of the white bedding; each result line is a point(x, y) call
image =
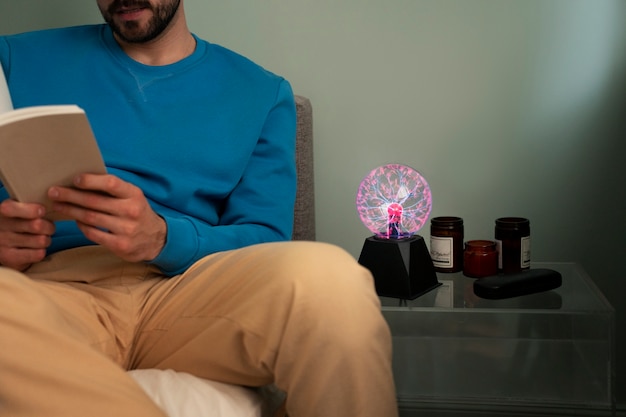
point(184, 395)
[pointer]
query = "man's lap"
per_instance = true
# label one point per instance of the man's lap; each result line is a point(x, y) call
point(229, 304)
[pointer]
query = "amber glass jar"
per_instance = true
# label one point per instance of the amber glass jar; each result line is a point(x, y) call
point(513, 238)
point(446, 243)
point(480, 258)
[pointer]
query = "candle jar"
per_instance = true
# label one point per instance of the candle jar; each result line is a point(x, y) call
point(512, 235)
point(446, 243)
point(480, 258)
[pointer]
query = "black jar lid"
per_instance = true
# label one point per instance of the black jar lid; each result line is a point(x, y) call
point(512, 223)
point(446, 221)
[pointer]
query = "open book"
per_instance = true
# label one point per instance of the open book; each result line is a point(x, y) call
point(43, 146)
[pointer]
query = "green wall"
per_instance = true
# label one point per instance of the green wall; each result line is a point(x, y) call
point(507, 107)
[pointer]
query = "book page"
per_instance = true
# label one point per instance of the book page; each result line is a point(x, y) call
point(5, 97)
point(34, 111)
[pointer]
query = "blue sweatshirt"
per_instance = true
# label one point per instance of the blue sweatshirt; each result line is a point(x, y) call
point(210, 139)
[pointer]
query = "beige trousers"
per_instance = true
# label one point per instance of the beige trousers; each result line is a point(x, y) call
point(302, 315)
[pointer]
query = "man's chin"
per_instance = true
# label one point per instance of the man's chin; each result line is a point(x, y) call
point(132, 32)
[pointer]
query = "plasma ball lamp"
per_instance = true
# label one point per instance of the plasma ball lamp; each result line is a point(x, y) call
point(394, 202)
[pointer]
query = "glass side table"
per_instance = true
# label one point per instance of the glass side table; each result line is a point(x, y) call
point(544, 354)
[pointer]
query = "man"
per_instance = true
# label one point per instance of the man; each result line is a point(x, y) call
point(174, 258)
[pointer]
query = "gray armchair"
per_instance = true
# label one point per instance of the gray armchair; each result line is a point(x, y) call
point(304, 210)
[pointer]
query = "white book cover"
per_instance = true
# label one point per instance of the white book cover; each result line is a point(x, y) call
point(5, 97)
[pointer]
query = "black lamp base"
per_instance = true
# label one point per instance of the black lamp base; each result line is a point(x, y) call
point(402, 268)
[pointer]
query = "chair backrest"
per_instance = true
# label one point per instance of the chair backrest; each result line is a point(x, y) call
point(304, 208)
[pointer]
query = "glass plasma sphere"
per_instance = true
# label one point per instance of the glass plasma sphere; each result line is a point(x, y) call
point(394, 201)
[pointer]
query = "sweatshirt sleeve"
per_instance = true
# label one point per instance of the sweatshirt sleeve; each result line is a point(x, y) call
point(259, 209)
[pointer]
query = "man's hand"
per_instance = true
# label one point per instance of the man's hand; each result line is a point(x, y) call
point(24, 234)
point(112, 213)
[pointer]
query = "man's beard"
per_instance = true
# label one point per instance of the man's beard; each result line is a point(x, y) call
point(132, 31)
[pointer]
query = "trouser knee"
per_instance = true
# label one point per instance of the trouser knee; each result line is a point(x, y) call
point(334, 293)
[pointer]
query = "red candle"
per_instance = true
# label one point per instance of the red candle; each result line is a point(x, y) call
point(480, 258)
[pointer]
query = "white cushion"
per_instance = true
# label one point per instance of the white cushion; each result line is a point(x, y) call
point(181, 394)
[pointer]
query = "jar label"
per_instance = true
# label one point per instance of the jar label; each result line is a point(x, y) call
point(441, 251)
point(525, 255)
